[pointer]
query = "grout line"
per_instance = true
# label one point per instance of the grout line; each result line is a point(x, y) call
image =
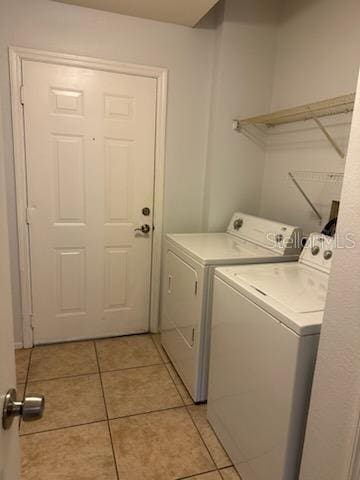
point(107, 415)
point(187, 410)
point(161, 351)
point(176, 386)
point(199, 432)
point(226, 468)
point(147, 413)
point(88, 340)
point(102, 421)
point(97, 372)
point(66, 427)
point(177, 389)
point(52, 379)
point(131, 368)
point(198, 474)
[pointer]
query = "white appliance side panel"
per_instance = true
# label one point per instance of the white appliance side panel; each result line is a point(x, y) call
point(182, 310)
point(252, 402)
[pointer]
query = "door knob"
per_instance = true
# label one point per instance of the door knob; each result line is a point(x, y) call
point(143, 229)
point(30, 409)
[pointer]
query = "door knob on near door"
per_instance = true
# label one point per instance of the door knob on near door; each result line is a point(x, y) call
point(143, 229)
point(30, 409)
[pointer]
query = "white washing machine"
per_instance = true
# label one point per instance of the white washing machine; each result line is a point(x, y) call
point(265, 329)
point(190, 260)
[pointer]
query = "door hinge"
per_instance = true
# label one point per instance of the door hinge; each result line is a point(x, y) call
point(196, 287)
point(193, 337)
point(32, 321)
point(22, 100)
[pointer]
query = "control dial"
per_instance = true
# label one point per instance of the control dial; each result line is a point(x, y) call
point(238, 223)
point(328, 254)
point(315, 250)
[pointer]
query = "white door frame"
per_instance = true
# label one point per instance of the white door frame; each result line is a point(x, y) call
point(16, 57)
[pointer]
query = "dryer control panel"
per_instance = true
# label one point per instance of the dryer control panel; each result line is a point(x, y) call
point(280, 238)
point(318, 252)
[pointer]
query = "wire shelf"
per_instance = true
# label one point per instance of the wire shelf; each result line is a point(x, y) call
point(320, 177)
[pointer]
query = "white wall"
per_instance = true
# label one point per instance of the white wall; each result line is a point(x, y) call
point(188, 53)
point(318, 54)
point(335, 404)
point(242, 87)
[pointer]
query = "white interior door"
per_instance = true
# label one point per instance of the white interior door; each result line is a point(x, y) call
point(9, 446)
point(89, 140)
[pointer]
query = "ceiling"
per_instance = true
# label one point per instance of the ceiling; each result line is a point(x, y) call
point(183, 12)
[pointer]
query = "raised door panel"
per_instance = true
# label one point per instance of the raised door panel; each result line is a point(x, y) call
point(119, 183)
point(69, 179)
point(70, 281)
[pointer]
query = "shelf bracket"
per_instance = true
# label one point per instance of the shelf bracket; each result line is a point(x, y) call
point(251, 135)
point(327, 135)
point(314, 209)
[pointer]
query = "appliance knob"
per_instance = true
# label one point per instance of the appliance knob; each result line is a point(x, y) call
point(279, 237)
point(315, 249)
point(328, 254)
point(238, 223)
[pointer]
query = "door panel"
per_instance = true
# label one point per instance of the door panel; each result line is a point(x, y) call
point(9, 442)
point(90, 138)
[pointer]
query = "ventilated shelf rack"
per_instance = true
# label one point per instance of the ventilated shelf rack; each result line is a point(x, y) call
point(311, 111)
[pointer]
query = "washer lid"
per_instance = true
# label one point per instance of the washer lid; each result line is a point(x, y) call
point(293, 293)
point(217, 248)
point(297, 287)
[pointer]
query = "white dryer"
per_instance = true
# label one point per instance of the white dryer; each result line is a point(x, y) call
point(265, 329)
point(190, 260)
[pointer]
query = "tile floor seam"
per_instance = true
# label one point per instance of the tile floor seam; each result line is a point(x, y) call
point(107, 415)
point(56, 429)
point(132, 368)
point(197, 474)
point(146, 413)
point(158, 348)
point(201, 436)
point(47, 379)
point(53, 379)
point(173, 380)
point(66, 342)
point(226, 468)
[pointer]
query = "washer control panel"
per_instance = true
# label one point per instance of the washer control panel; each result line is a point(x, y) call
point(318, 251)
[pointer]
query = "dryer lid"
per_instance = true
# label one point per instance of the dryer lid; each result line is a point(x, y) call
point(220, 248)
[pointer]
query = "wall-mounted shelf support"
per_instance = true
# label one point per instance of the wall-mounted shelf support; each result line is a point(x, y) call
point(331, 140)
point(314, 209)
point(312, 111)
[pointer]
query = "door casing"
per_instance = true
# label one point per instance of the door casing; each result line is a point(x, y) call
point(16, 56)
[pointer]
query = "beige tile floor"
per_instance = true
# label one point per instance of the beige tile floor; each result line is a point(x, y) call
point(115, 410)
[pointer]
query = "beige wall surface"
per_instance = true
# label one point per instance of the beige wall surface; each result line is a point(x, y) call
point(186, 52)
point(243, 78)
point(318, 55)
